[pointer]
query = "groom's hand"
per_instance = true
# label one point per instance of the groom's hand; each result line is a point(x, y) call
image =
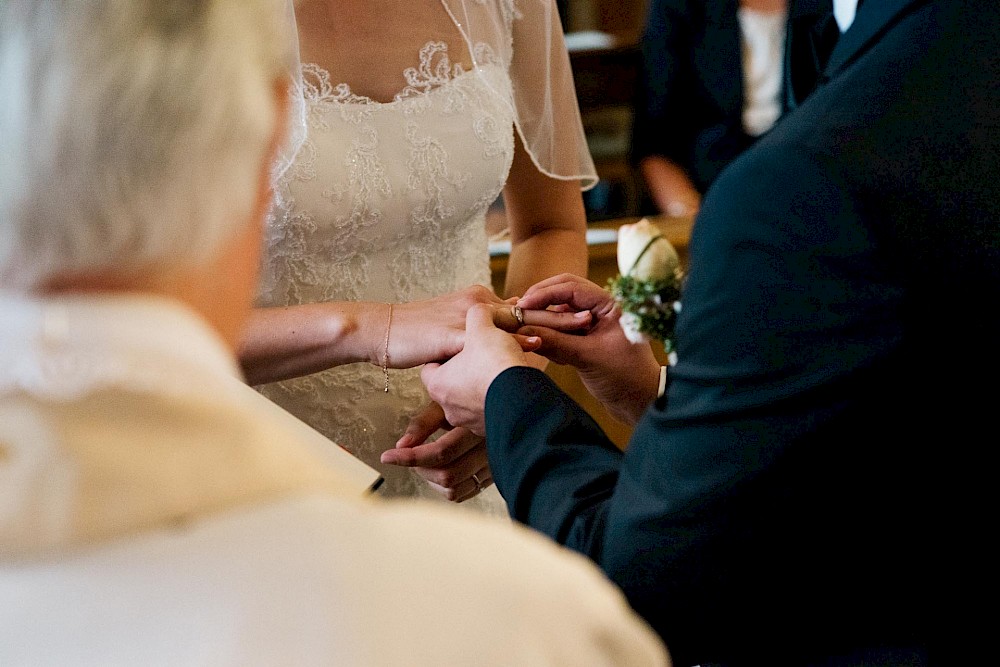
point(623, 376)
point(460, 384)
point(455, 465)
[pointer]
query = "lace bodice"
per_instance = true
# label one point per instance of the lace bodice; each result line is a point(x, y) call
point(386, 202)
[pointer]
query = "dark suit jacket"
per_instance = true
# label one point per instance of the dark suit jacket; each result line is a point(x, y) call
point(810, 38)
point(689, 102)
point(809, 490)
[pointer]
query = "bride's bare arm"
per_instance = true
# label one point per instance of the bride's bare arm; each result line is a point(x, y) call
point(548, 228)
point(548, 225)
point(285, 342)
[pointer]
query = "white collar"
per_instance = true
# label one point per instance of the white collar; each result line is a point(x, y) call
point(63, 489)
point(844, 12)
point(67, 346)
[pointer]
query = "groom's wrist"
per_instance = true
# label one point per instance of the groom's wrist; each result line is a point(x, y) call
point(510, 383)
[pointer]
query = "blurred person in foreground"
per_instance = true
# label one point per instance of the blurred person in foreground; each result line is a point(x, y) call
point(809, 488)
point(148, 515)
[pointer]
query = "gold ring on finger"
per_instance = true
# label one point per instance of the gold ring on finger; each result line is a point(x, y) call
point(518, 315)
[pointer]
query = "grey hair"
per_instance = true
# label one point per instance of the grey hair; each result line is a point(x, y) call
point(131, 131)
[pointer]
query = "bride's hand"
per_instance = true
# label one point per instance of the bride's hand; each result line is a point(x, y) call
point(455, 464)
point(434, 329)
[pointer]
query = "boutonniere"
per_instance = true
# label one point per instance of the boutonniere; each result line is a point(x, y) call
point(648, 286)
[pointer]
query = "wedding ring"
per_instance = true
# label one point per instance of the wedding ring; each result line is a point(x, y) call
point(479, 485)
point(518, 315)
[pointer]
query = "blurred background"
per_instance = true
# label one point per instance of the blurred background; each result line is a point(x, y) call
point(603, 40)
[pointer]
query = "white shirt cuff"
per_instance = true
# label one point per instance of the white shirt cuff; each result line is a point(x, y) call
point(663, 382)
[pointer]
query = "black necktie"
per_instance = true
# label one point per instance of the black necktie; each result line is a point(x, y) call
point(812, 35)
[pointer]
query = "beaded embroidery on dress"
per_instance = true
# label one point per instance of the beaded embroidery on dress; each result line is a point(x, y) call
point(386, 202)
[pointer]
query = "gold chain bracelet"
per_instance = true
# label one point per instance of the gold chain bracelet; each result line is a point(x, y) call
point(385, 353)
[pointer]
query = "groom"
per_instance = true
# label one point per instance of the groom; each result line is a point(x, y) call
point(807, 488)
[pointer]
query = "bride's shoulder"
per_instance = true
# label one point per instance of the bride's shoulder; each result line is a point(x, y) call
point(539, 12)
point(507, 9)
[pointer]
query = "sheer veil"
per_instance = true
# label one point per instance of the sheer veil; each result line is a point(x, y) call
point(296, 131)
point(525, 36)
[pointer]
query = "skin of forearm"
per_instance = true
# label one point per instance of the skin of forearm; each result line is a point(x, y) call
point(545, 254)
point(285, 342)
point(548, 225)
point(670, 186)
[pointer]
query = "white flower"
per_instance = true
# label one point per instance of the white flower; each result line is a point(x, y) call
point(630, 325)
point(658, 262)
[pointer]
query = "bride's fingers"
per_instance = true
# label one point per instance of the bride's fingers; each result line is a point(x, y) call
point(510, 318)
point(505, 317)
point(441, 453)
point(561, 308)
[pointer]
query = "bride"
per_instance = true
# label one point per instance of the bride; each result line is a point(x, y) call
point(416, 115)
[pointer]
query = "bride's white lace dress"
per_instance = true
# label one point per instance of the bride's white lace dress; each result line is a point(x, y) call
point(387, 202)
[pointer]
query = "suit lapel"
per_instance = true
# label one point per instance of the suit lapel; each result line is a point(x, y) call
point(806, 51)
point(719, 56)
point(874, 18)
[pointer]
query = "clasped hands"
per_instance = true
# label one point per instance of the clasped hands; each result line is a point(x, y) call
point(568, 320)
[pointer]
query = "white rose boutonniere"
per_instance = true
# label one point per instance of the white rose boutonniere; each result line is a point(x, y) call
point(648, 287)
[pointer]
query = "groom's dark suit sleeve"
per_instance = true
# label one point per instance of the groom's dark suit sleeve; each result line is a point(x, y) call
point(786, 499)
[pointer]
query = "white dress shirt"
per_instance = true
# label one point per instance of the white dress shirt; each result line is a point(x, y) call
point(148, 516)
point(763, 41)
point(844, 12)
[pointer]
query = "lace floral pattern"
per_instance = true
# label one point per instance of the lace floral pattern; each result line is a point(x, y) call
point(387, 202)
